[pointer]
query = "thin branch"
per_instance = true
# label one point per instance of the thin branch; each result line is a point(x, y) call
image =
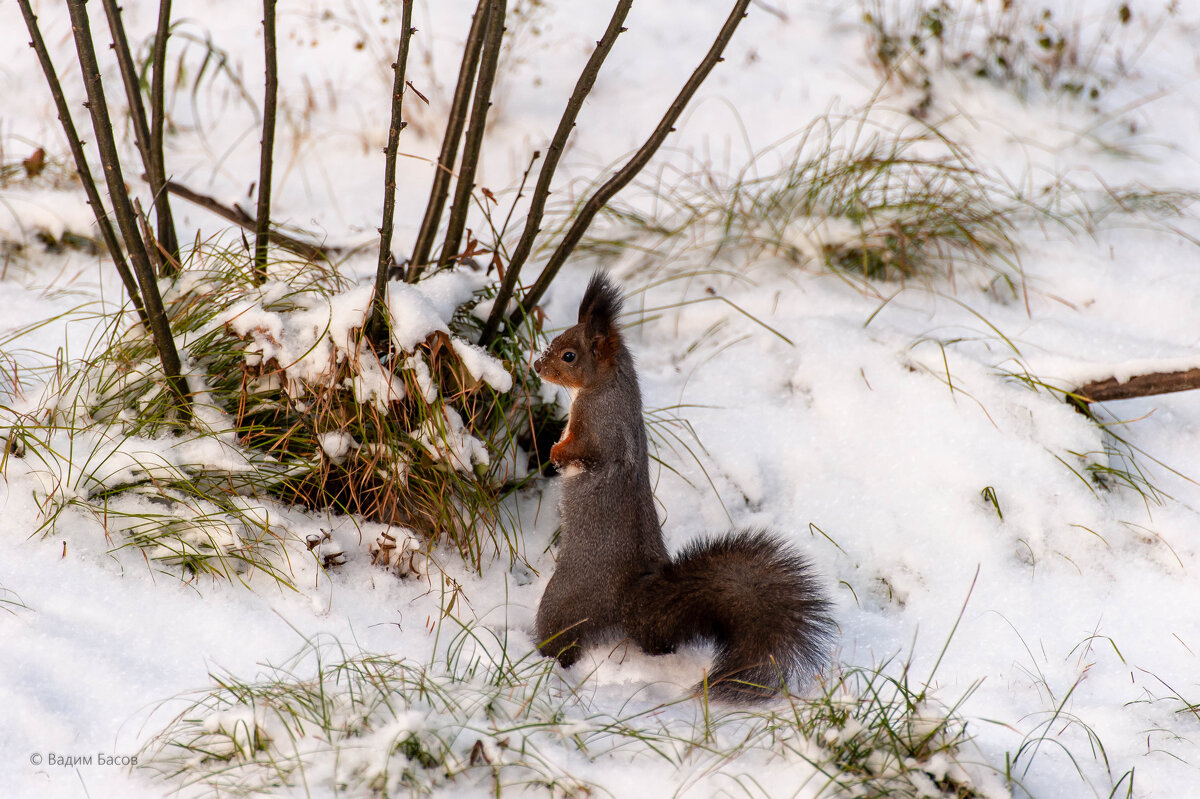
point(537, 205)
point(238, 216)
point(627, 173)
point(81, 165)
point(1137, 386)
point(454, 126)
point(160, 327)
point(267, 153)
point(377, 323)
point(489, 59)
point(158, 168)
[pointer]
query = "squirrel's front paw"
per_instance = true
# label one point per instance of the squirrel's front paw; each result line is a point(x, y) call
point(566, 465)
point(560, 456)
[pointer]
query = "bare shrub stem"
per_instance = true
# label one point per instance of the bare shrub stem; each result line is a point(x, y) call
point(635, 164)
point(129, 78)
point(537, 204)
point(267, 151)
point(160, 326)
point(376, 324)
point(167, 236)
point(143, 136)
point(81, 165)
point(454, 126)
point(489, 59)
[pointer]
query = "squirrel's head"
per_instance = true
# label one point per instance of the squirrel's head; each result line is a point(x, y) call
point(586, 353)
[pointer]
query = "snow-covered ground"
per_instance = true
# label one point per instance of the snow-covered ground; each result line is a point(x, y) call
point(875, 424)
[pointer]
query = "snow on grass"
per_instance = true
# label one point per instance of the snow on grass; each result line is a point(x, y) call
point(95, 439)
point(308, 344)
point(478, 724)
point(901, 434)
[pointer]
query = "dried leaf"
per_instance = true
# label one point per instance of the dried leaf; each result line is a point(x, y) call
point(35, 163)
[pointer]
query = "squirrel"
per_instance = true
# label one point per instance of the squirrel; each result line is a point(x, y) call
point(746, 591)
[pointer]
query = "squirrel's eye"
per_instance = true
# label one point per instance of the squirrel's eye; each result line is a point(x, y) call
point(568, 356)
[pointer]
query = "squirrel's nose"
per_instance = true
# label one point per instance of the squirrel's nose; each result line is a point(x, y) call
point(537, 366)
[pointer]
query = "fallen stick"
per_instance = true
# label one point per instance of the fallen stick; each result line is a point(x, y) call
point(1138, 386)
point(238, 216)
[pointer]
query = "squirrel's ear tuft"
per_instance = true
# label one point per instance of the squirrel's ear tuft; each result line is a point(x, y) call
point(600, 306)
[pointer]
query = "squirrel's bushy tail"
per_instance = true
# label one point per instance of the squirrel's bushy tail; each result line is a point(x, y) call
point(749, 593)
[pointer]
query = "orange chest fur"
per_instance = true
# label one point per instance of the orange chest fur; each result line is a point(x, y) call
point(570, 448)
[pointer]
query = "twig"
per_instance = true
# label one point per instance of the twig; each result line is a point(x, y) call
point(266, 154)
point(473, 143)
point(454, 125)
point(236, 215)
point(152, 244)
point(520, 193)
point(1138, 386)
point(632, 168)
point(376, 325)
point(81, 165)
point(160, 327)
point(537, 204)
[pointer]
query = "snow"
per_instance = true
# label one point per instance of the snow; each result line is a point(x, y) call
point(876, 424)
point(483, 366)
point(336, 444)
point(415, 316)
point(308, 343)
